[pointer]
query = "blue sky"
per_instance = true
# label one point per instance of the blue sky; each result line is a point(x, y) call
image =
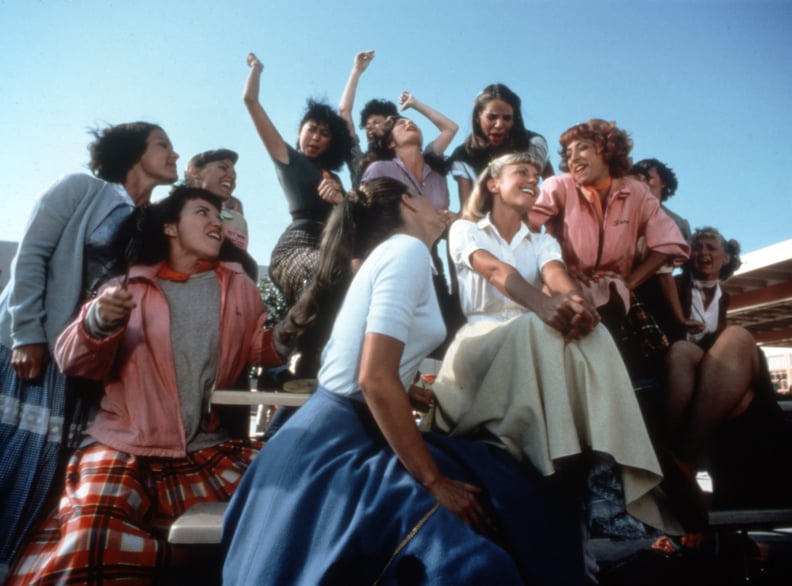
point(704, 85)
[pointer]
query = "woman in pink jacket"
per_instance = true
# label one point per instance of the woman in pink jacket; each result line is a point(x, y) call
point(181, 326)
point(613, 233)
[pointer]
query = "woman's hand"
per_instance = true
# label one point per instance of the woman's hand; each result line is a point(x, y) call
point(420, 398)
point(570, 314)
point(460, 498)
point(330, 189)
point(254, 63)
point(114, 305)
point(692, 326)
point(406, 100)
point(363, 60)
point(29, 360)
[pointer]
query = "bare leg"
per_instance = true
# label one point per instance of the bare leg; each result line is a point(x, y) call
point(726, 376)
point(682, 364)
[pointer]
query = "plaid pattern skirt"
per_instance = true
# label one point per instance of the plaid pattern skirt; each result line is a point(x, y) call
point(113, 516)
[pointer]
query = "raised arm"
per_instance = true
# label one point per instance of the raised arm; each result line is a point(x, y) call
point(389, 404)
point(448, 128)
point(347, 102)
point(273, 141)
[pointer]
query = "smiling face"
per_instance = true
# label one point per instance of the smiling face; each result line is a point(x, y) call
point(585, 163)
point(198, 234)
point(496, 121)
point(314, 138)
point(517, 187)
point(707, 258)
point(404, 133)
point(158, 161)
point(219, 177)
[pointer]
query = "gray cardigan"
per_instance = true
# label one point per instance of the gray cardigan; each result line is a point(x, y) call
point(47, 273)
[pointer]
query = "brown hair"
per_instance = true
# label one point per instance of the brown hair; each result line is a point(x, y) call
point(613, 144)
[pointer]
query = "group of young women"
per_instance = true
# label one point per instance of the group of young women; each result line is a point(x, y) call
point(532, 389)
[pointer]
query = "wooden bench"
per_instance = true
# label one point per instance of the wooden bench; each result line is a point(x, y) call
point(200, 524)
point(203, 523)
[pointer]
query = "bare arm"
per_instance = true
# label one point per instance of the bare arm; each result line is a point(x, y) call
point(562, 311)
point(639, 275)
point(448, 128)
point(347, 102)
point(465, 187)
point(273, 141)
point(669, 289)
point(389, 404)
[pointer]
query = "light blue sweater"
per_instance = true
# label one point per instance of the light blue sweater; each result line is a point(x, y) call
point(47, 272)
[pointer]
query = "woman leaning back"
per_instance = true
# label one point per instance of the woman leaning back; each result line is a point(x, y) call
point(599, 215)
point(349, 490)
point(67, 250)
point(307, 177)
point(183, 324)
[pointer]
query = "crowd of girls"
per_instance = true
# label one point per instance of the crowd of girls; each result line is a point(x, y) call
point(556, 286)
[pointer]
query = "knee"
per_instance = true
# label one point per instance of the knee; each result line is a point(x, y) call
point(737, 337)
point(682, 352)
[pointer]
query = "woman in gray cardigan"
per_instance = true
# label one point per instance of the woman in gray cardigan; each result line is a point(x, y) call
point(67, 250)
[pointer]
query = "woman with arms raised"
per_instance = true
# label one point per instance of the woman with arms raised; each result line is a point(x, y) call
point(398, 153)
point(349, 491)
point(182, 325)
point(308, 181)
point(68, 249)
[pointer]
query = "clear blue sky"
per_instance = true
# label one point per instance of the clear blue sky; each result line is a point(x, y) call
point(705, 85)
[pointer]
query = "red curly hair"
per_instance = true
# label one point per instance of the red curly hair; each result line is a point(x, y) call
point(612, 143)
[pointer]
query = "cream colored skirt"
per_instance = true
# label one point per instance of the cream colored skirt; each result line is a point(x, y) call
point(545, 399)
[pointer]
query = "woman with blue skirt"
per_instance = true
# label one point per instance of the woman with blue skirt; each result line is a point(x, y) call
point(349, 490)
point(68, 249)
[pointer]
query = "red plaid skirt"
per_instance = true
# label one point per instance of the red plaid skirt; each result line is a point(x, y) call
point(115, 511)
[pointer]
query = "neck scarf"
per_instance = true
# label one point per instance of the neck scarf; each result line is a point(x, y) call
point(707, 315)
point(170, 274)
point(591, 193)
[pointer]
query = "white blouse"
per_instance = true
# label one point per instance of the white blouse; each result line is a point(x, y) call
point(527, 252)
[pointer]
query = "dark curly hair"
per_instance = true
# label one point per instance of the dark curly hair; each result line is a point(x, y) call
point(116, 149)
point(340, 147)
point(377, 107)
point(380, 149)
point(731, 247)
point(613, 143)
point(666, 174)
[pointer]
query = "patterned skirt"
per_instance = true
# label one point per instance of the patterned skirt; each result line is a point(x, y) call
point(114, 513)
point(40, 421)
point(295, 259)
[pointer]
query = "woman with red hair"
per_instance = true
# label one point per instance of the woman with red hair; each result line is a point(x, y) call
point(613, 233)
